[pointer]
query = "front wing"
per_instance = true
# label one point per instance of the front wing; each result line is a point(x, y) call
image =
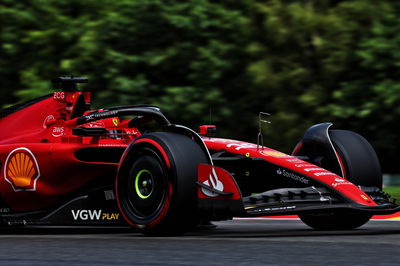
point(220, 197)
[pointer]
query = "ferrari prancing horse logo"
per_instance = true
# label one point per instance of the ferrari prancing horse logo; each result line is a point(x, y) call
point(21, 170)
point(115, 122)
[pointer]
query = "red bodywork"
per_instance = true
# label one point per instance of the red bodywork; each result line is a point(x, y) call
point(294, 164)
point(40, 165)
point(43, 128)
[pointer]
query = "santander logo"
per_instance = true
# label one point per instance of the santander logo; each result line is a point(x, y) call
point(213, 182)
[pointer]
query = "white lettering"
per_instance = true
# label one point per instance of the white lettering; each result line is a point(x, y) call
point(83, 215)
point(75, 215)
point(304, 165)
point(293, 160)
point(58, 132)
point(241, 146)
point(323, 173)
point(312, 169)
point(59, 95)
point(292, 176)
point(340, 184)
point(86, 214)
point(95, 214)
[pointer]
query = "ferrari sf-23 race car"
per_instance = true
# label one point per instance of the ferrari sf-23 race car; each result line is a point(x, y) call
point(64, 164)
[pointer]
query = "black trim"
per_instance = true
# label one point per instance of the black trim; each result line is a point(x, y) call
point(320, 208)
point(154, 113)
point(89, 132)
point(100, 154)
point(18, 107)
point(318, 148)
point(131, 106)
point(68, 83)
point(80, 107)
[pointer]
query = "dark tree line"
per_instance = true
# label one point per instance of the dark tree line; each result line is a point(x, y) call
point(304, 61)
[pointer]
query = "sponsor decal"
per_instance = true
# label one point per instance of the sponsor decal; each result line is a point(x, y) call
point(222, 140)
point(341, 183)
point(312, 169)
point(58, 132)
point(132, 132)
point(293, 160)
point(364, 197)
point(59, 95)
point(111, 145)
point(110, 216)
point(280, 208)
point(5, 210)
point(47, 119)
point(96, 124)
point(273, 209)
point(21, 170)
point(240, 146)
point(100, 115)
point(109, 195)
point(304, 165)
point(94, 215)
point(292, 176)
point(85, 215)
point(340, 179)
point(213, 182)
point(323, 173)
point(115, 121)
point(274, 153)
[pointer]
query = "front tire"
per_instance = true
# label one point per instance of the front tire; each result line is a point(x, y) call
point(156, 183)
point(361, 167)
point(335, 220)
point(360, 162)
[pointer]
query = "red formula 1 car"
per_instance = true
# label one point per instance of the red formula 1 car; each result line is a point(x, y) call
point(64, 164)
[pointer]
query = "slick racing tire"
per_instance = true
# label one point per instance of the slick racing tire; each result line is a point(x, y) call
point(156, 183)
point(361, 167)
point(360, 162)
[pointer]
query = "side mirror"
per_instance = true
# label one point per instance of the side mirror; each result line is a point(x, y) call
point(208, 130)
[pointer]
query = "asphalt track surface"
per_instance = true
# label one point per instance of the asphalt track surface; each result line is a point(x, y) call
point(237, 242)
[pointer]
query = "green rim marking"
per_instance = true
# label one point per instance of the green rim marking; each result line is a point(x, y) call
point(144, 184)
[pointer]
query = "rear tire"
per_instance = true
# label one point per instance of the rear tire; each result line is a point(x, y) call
point(156, 183)
point(361, 167)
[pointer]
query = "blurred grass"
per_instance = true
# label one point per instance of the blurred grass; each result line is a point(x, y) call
point(393, 191)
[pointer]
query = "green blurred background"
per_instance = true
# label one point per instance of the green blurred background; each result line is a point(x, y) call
point(305, 62)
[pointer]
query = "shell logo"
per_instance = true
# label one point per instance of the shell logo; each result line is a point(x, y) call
point(21, 170)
